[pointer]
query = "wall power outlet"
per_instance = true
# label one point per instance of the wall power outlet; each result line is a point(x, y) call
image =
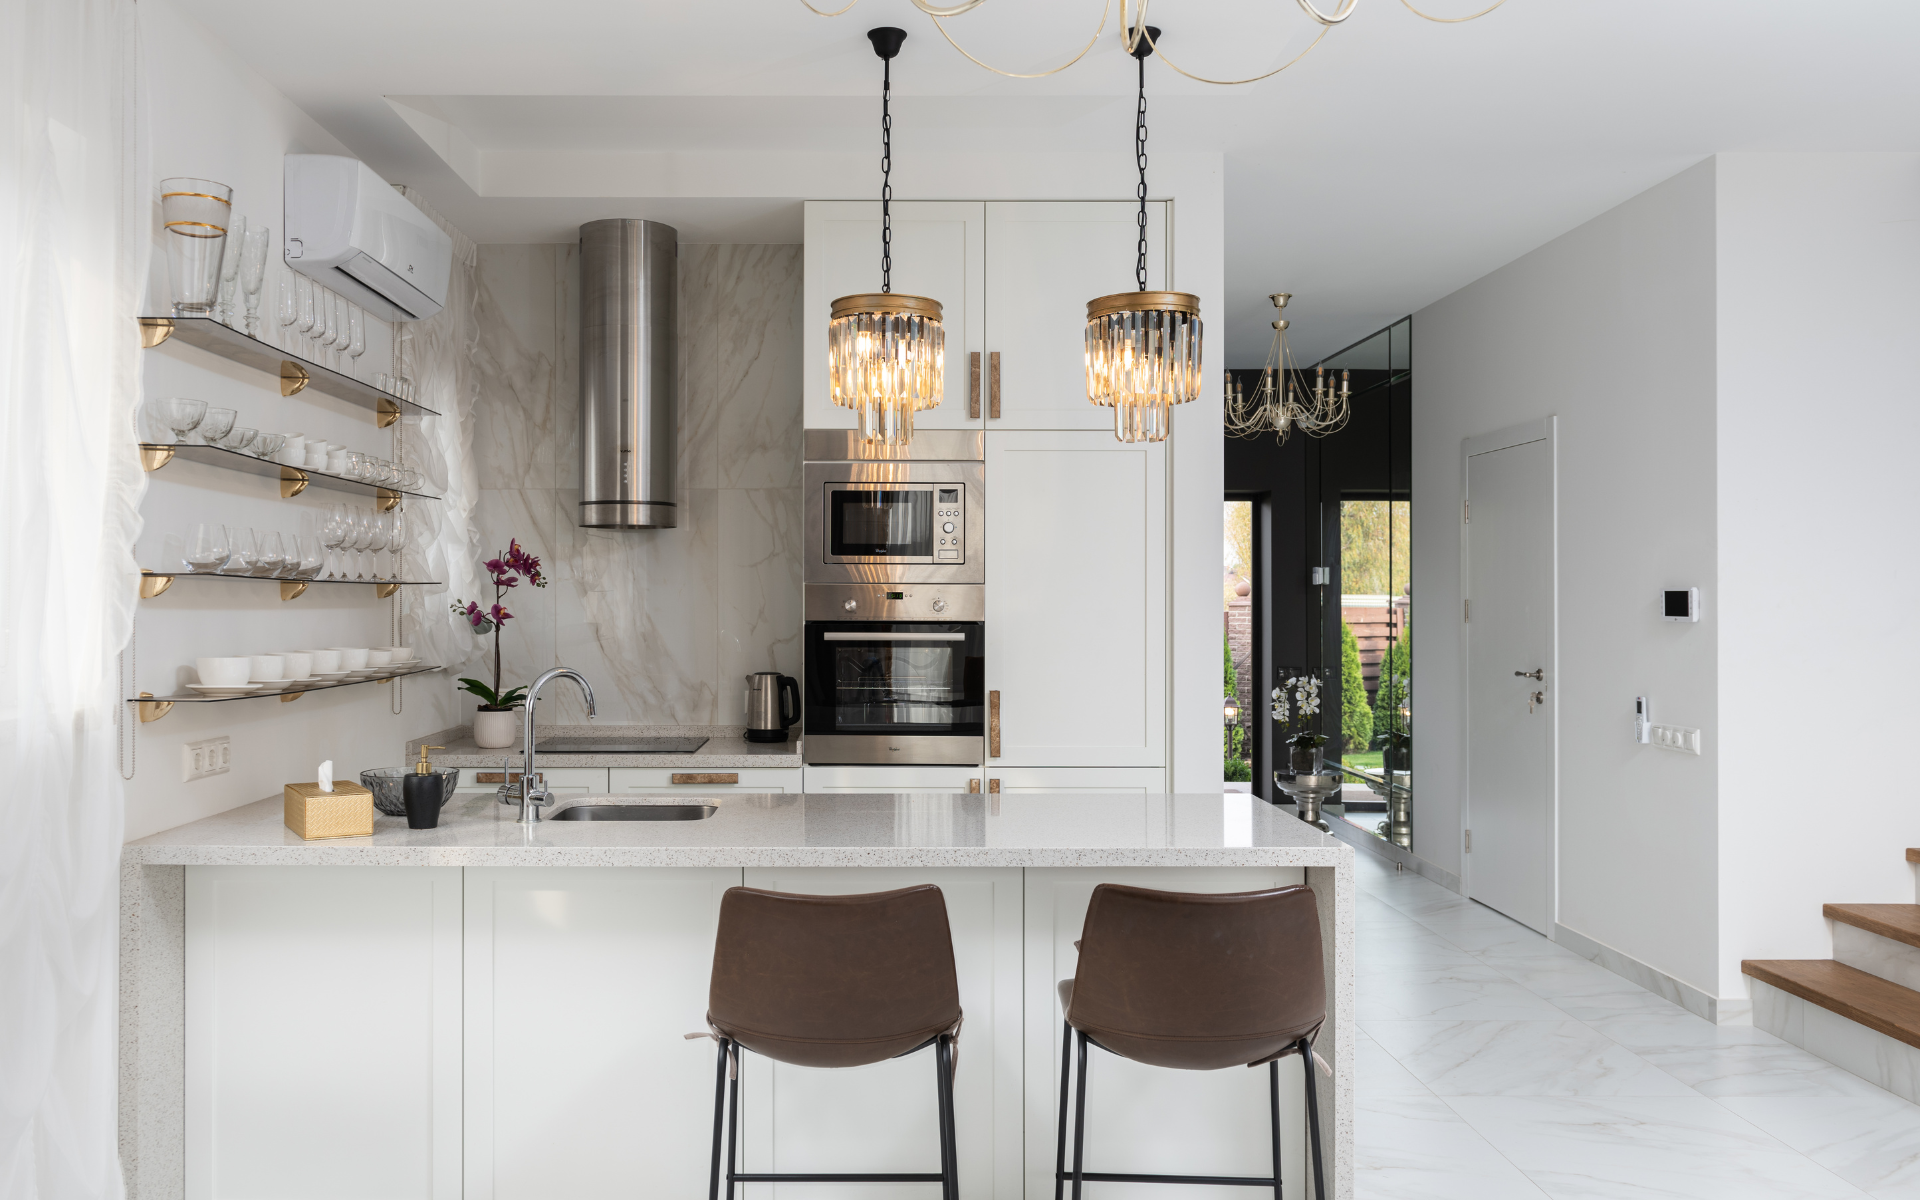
point(1677, 737)
point(209, 756)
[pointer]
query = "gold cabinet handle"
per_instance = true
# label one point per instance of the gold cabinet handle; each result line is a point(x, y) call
point(993, 724)
point(973, 385)
point(706, 777)
point(993, 786)
point(973, 787)
point(993, 385)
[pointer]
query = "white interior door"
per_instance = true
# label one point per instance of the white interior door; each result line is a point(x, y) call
point(1509, 539)
point(938, 252)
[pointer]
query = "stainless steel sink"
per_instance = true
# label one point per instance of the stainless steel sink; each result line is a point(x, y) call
point(636, 812)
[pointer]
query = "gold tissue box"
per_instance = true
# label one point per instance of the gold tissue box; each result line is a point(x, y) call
point(346, 811)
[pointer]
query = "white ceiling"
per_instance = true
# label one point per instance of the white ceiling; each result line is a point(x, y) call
point(1397, 161)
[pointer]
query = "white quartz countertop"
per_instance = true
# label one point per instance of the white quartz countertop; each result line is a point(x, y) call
point(792, 830)
point(727, 749)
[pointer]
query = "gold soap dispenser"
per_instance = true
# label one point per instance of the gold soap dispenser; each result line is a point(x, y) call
point(423, 791)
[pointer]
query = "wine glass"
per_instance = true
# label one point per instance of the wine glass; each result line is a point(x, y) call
point(180, 414)
point(216, 424)
point(253, 272)
point(328, 318)
point(230, 270)
point(363, 525)
point(376, 542)
point(333, 531)
point(272, 553)
point(356, 334)
point(242, 553)
point(207, 549)
point(307, 558)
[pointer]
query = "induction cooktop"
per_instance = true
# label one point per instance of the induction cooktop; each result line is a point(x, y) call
point(639, 745)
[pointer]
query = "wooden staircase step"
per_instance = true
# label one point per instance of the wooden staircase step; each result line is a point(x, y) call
point(1862, 998)
point(1899, 922)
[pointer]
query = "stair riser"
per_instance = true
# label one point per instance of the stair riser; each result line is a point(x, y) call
point(1895, 962)
point(1873, 1056)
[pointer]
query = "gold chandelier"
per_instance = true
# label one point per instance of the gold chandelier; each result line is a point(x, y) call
point(886, 353)
point(1143, 348)
point(1280, 402)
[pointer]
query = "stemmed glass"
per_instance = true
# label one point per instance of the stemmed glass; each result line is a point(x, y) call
point(333, 534)
point(356, 335)
point(207, 550)
point(179, 414)
point(289, 303)
point(303, 291)
point(230, 270)
point(253, 272)
point(376, 543)
point(216, 424)
point(363, 530)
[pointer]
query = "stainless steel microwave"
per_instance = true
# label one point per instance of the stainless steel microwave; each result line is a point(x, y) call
point(895, 522)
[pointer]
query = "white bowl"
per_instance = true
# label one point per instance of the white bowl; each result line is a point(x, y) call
point(226, 690)
point(379, 658)
point(401, 654)
point(223, 672)
point(267, 668)
point(325, 662)
point(299, 664)
point(352, 658)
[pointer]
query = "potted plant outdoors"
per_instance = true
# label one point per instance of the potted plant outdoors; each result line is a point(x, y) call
point(1298, 699)
point(494, 720)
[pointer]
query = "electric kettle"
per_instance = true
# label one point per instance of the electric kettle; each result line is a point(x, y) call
point(773, 704)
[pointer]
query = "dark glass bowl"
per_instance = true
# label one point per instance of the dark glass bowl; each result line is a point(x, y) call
point(384, 783)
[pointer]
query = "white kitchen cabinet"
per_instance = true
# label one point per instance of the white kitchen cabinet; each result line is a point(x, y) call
point(938, 252)
point(323, 1056)
point(1076, 600)
point(1142, 1119)
point(1045, 260)
point(882, 1117)
point(579, 984)
point(893, 779)
point(563, 782)
point(1067, 781)
point(665, 781)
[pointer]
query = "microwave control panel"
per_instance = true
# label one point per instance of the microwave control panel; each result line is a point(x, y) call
point(949, 524)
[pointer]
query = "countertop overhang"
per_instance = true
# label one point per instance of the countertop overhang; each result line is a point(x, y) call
point(790, 830)
point(727, 749)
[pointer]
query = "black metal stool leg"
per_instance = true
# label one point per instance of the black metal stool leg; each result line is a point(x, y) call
point(719, 1113)
point(1313, 1121)
point(943, 1071)
point(1060, 1141)
point(1080, 1119)
point(1273, 1110)
point(733, 1118)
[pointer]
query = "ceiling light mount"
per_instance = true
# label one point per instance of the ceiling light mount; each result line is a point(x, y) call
point(886, 40)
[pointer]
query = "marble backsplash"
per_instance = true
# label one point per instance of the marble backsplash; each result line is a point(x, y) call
point(664, 623)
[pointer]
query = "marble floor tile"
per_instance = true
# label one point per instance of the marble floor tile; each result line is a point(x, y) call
point(1472, 992)
point(1651, 1146)
point(1871, 1142)
point(1399, 955)
point(1575, 984)
point(1668, 1026)
point(1519, 1058)
point(1417, 1148)
point(1379, 1073)
point(1757, 1069)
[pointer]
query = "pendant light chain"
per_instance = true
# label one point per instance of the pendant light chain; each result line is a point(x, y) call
point(1140, 156)
point(886, 176)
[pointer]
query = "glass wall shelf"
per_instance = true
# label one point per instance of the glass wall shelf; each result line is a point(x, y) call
point(152, 583)
point(152, 707)
point(296, 374)
point(293, 480)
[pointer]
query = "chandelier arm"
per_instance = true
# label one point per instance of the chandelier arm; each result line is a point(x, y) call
point(819, 12)
point(1235, 82)
point(952, 10)
point(1340, 13)
point(1452, 20)
point(1106, 9)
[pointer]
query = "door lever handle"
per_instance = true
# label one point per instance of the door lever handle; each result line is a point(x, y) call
point(1538, 675)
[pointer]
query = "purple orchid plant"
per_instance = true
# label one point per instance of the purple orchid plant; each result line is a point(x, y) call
point(506, 572)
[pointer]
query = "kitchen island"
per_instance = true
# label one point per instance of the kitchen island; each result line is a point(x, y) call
point(494, 1010)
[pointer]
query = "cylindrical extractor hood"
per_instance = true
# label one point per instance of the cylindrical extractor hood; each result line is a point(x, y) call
point(629, 374)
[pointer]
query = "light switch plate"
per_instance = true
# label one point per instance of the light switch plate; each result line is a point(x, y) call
point(1677, 737)
point(209, 756)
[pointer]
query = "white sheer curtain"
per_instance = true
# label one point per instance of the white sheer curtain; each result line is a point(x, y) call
point(75, 216)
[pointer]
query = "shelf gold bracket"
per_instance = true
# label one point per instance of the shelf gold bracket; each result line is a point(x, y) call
point(152, 458)
point(152, 710)
point(292, 482)
point(154, 330)
point(290, 697)
point(388, 500)
point(152, 585)
point(383, 590)
point(293, 377)
point(292, 589)
point(387, 414)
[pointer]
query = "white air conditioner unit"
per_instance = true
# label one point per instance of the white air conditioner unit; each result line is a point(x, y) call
point(347, 229)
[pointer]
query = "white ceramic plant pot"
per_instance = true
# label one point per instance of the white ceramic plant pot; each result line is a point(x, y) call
point(494, 730)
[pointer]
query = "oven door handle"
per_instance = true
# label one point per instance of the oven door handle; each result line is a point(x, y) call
point(841, 635)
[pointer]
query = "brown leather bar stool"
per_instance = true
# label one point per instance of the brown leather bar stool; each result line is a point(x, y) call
point(1196, 982)
point(832, 981)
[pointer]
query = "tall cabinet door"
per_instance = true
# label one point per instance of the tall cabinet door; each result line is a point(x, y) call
point(1045, 260)
point(1076, 600)
point(938, 252)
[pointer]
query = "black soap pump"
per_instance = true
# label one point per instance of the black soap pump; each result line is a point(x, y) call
point(421, 792)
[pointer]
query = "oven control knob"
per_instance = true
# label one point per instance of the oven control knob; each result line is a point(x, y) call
point(850, 605)
point(939, 606)
point(947, 528)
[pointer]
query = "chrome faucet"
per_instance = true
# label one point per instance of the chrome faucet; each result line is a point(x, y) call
point(533, 789)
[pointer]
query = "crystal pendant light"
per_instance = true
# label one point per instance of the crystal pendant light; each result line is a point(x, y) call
point(886, 353)
point(1143, 348)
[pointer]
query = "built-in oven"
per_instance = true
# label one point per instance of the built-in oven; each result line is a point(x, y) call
point(895, 674)
point(918, 521)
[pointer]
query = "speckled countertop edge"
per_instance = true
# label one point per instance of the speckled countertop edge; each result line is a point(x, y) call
point(727, 749)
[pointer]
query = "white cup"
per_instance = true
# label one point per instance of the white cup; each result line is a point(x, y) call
point(299, 663)
point(401, 654)
point(294, 452)
point(316, 456)
point(267, 668)
point(336, 462)
point(379, 658)
point(223, 672)
point(351, 658)
point(325, 662)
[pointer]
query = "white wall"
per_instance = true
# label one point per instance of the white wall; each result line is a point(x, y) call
point(211, 116)
point(1609, 328)
point(1819, 254)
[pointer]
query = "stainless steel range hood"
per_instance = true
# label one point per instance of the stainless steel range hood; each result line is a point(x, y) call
point(629, 374)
